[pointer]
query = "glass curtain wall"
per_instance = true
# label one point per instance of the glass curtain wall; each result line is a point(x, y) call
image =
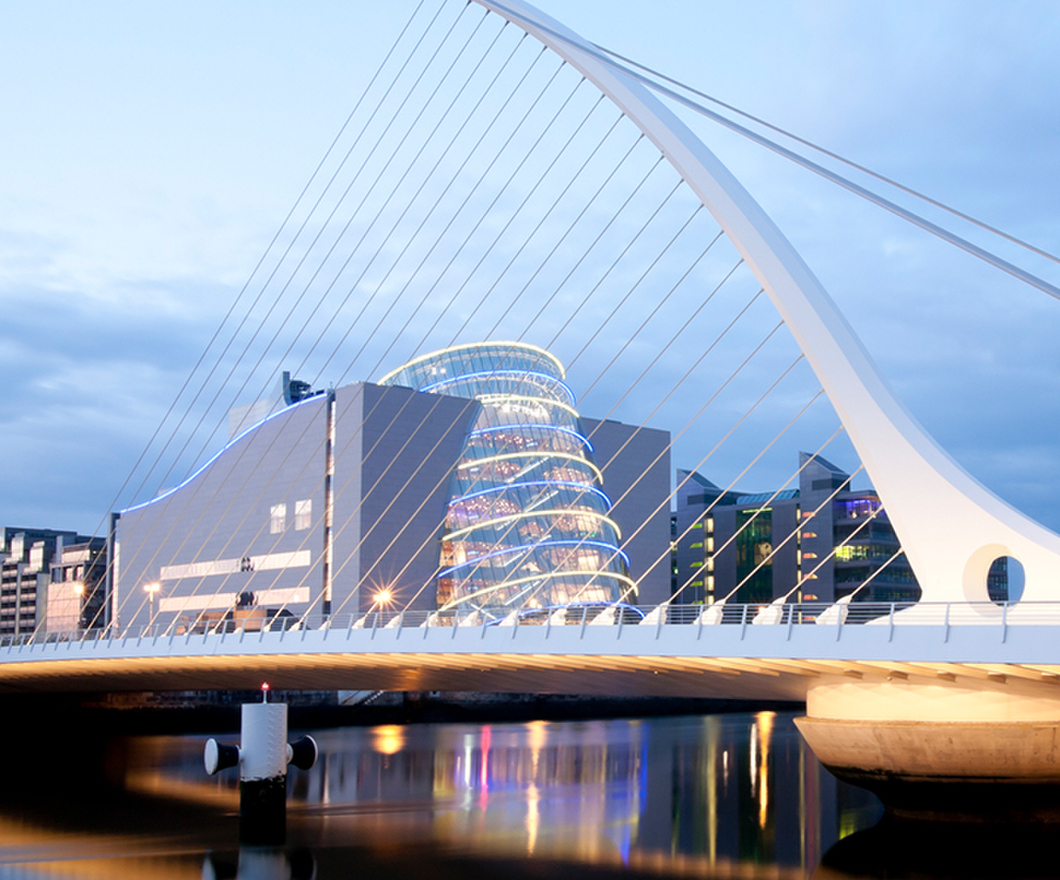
point(527, 524)
point(754, 549)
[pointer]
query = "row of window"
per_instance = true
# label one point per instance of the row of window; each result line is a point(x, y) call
point(303, 516)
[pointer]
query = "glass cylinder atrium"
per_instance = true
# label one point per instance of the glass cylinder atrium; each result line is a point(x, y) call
point(527, 525)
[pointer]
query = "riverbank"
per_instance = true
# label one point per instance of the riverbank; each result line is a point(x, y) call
point(218, 711)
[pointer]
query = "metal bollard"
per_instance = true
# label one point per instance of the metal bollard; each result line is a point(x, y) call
point(262, 757)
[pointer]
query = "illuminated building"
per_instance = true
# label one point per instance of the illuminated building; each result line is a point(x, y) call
point(472, 488)
point(527, 524)
point(818, 542)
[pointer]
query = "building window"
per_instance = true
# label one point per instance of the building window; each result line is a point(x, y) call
point(303, 514)
point(277, 518)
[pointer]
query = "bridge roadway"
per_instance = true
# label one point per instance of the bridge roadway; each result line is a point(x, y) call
point(677, 654)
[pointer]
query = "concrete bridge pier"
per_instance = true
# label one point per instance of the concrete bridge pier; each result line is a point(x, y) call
point(982, 751)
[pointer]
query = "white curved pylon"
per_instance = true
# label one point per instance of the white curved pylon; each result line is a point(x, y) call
point(951, 527)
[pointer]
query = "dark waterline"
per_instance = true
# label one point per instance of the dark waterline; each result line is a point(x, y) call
point(716, 795)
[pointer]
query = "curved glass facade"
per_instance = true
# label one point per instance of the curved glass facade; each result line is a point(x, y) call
point(527, 525)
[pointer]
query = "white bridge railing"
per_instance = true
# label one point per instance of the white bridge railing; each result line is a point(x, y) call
point(840, 616)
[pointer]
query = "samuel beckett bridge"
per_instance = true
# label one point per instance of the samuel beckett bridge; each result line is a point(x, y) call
point(479, 518)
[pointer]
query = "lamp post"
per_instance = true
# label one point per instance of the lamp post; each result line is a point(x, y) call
point(152, 590)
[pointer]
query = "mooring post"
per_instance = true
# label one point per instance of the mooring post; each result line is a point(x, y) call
point(262, 757)
point(263, 772)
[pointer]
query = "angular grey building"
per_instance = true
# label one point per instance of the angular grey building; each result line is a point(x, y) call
point(337, 503)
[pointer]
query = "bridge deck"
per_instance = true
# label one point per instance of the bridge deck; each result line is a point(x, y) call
point(738, 660)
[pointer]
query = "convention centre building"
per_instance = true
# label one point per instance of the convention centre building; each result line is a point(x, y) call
point(464, 483)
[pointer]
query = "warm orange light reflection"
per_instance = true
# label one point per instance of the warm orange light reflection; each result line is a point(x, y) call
point(763, 730)
point(389, 739)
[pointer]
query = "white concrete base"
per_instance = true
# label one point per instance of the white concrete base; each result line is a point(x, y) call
point(1005, 751)
point(949, 750)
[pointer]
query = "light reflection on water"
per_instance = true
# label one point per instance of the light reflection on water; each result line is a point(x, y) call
point(704, 795)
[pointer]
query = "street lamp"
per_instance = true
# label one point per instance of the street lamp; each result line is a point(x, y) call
point(381, 598)
point(152, 590)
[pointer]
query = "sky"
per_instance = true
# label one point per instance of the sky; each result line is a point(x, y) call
point(149, 152)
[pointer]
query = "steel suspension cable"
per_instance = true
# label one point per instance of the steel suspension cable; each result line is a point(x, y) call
point(935, 203)
point(353, 251)
point(706, 512)
point(468, 237)
point(396, 537)
point(419, 78)
point(246, 286)
point(742, 418)
point(276, 300)
point(665, 503)
point(907, 215)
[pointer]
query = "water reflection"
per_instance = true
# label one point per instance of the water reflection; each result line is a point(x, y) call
point(706, 795)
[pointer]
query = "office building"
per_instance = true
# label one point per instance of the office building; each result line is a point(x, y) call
point(77, 589)
point(30, 598)
point(814, 543)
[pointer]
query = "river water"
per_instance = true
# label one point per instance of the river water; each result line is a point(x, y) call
point(734, 795)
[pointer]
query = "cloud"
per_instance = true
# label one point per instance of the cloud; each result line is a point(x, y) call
point(159, 153)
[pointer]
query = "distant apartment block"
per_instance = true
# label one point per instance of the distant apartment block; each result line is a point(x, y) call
point(50, 580)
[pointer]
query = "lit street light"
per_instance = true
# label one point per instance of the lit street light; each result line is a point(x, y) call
point(152, 590)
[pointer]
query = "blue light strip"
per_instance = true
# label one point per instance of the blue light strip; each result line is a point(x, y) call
point(516, 428)
point(460, 354)
point(512, 518)
point(539, 580)
point(519, 376)
point(318, 398)
point(566, 484)
point(609, 548)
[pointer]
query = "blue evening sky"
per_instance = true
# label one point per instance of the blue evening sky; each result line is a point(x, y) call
point(148, 152)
